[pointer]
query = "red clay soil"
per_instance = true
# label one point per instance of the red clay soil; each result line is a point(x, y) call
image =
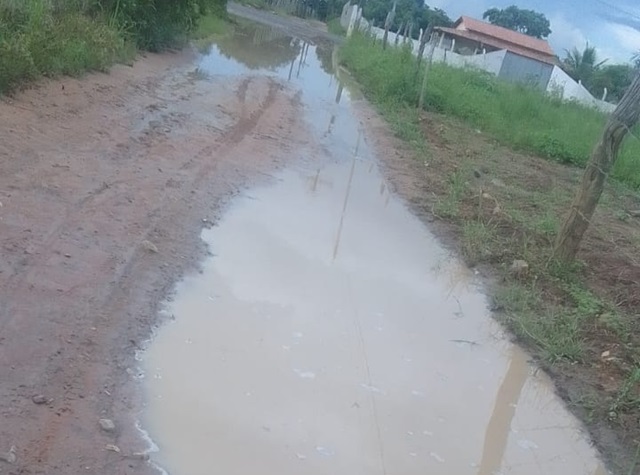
point(105, 183)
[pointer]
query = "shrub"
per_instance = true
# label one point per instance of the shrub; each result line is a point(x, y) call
point(53, 37)
point(159, 24)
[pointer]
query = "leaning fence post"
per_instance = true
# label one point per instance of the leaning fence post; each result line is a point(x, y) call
point(424, 37)
point(398, 32)
point(432, 47)
point(387, 24)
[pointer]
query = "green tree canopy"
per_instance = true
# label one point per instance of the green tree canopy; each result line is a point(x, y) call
point(585, 66)
point(615, 77)
point(582, 65)
point(413, 11)
point(529, 22)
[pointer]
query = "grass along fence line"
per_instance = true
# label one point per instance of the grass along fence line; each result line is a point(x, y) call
point(67, 37)
point(515, 115)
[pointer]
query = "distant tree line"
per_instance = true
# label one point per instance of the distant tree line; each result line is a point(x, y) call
point(413, 12)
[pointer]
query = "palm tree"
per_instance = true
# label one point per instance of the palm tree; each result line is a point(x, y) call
point(581, 65)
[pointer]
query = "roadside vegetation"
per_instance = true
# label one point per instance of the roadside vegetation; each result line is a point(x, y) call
point(334, 26)
point(68, 37)
point(498, 165)
point(515, 115)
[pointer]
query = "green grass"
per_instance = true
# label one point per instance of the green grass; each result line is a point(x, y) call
point(448, 207)
point(627, 398)
point(68, 37)
point(34, 42)
point(334, 26)
point(515, 115)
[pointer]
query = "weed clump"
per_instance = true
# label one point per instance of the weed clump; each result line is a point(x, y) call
point(55, 37)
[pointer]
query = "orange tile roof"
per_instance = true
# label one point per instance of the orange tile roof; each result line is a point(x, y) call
point(504, 38)
point(500, 44)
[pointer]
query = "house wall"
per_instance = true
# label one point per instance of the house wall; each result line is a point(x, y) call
point(563, 86)
point(490, 62)
point(516, 68)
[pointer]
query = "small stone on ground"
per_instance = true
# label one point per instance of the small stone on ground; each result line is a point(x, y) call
point(107, 425)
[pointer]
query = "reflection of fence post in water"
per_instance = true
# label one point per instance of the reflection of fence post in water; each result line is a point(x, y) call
point(306, 52)
point(339, 93)
point(303, 53)
point(499, 427)
point(293, 61)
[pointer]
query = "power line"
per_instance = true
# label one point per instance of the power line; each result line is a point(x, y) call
point(617, 8)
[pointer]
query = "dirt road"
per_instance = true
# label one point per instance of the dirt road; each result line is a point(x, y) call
point(106, 184)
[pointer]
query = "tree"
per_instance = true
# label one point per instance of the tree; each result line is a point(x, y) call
point(581, 65)
point(407, 11)
point(528, 22)
point(603, 157)
point(615, 78)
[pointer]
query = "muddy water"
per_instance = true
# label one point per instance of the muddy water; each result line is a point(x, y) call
point(330, 333)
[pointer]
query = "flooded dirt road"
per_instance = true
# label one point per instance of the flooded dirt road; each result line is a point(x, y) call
point(329, 332)
point(105, 185)
point(326, 332)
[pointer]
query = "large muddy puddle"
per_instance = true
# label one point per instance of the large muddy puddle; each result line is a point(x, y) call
point(330, 333)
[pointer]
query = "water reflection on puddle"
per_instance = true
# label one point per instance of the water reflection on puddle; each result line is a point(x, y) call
point(330, 332)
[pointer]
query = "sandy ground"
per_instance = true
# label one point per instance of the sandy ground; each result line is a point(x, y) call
point(105, 184)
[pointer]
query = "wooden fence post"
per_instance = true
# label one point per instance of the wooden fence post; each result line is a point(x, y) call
point(387, 24)
point(432, 47)
point(602, 160)
point(398, 33)
point(423, 43)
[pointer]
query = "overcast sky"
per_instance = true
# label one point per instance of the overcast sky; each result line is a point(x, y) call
point(613, 26)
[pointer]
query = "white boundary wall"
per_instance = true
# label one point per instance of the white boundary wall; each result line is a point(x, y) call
point(560, 84)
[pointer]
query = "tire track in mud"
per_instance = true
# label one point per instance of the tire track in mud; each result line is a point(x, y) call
point(71, 217)
point(79, 367)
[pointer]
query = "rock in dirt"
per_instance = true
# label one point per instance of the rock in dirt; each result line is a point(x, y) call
point(39, 399)
point(9, 457)
point(112, 448)
point(519, 268)
point(107, 425)
point(149, 246)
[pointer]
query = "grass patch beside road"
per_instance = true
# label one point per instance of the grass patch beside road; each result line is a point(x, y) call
point(518, 116)
point(492, 173)
point(68, 37)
